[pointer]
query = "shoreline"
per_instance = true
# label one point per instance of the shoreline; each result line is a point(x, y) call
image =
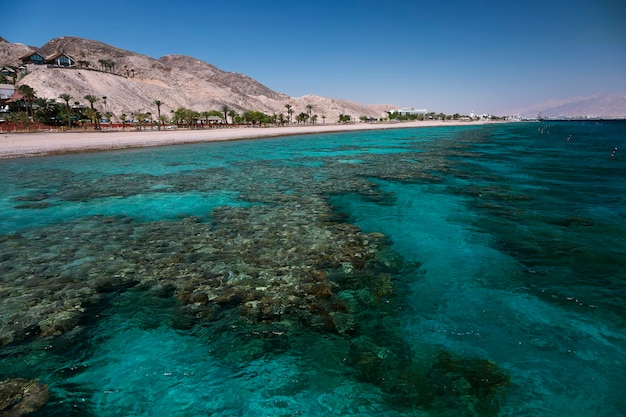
point(23, 145)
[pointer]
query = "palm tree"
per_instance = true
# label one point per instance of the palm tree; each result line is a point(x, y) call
point(309, 107)
point(225, 110)
point(192, 117)
point(344, 118)
point(302, 117)
point(204, 117)
point(11, 119)
point(92, 99)
point(66, 98)
point(29, 96)
point(140, 118)
point(123, 119)
point(158, 103)
point(23, 118)
point(47, 111)
point(289, 111)
point(232, 114)
point(178, 115)
point(91, 114)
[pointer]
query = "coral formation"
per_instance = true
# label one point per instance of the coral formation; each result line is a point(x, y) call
point(278, 261)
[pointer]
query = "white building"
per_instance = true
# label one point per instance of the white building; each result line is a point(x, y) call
point(407, 111)
point(6, 91)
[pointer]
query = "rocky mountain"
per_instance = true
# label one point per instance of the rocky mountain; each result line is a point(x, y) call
point(10, 53)
point(131, 82)
point(598, 105)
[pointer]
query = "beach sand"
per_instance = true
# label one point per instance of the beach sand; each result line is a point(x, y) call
point(18, 145)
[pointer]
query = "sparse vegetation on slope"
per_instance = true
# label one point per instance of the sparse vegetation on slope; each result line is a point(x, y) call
point(133, 82)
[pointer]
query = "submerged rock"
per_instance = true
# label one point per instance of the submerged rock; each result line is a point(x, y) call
point(19, 397)
point(467, 383)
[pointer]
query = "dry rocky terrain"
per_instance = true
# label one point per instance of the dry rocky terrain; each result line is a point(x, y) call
point(135, 81)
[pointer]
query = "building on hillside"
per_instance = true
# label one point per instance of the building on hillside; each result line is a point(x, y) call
point(34, 58)
point(6, 92)
point(8, 73)
point(6, 95)
point(59, 59)
point(11, 74)
point(409, 111)
point(16, 102)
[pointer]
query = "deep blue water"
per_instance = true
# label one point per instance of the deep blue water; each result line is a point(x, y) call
point(452, 271)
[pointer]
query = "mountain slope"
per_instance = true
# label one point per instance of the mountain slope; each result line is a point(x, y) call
point(10, 53)
point(598, 105)
point(136, 81)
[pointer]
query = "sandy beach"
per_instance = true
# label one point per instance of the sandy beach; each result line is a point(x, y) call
point(19, 145)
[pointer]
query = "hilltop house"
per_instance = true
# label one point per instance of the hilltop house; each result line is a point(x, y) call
point(59, 59)
point(33, 58)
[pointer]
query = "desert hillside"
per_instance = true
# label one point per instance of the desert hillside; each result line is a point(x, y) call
point(131, 82)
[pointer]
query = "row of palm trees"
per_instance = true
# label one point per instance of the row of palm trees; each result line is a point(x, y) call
point(303, 117)
point(106, 65)
point(50, 112)
point(192, 118)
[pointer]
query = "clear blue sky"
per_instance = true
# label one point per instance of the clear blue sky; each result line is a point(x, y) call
point(485, 56)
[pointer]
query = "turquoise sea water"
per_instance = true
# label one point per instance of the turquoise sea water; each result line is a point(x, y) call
point(453, 271)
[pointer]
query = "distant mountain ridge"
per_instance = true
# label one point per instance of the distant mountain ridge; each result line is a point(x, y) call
point(610, 105)
point(136, 81)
